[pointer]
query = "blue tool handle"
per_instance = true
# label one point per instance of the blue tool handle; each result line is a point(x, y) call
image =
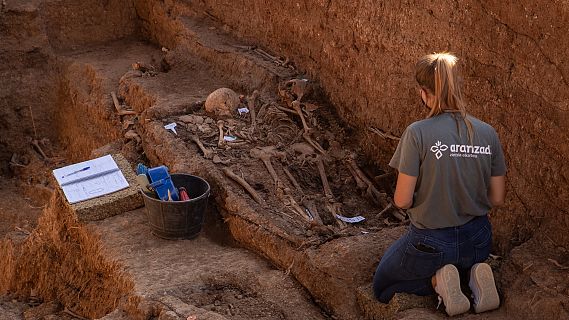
point(141, 169)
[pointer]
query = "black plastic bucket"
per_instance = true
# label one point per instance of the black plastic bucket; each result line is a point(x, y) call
point(179, 219)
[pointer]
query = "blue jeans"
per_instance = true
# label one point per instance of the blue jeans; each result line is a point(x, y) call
point(411, 261)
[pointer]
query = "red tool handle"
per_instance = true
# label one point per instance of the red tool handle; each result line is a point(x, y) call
point(183, 194)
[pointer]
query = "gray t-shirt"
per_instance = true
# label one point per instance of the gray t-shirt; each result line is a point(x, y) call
point(453, 175)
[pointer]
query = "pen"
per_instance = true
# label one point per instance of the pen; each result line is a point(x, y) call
point(75, 172)
point(96, 175)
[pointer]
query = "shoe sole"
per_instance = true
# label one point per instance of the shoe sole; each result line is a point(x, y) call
point(448, 288)
point(483, 288)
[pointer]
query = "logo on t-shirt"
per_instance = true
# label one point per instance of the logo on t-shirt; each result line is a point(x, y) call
point(460, 150)
point(438, 149)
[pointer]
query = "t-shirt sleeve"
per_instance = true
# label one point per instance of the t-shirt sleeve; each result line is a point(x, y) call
point(498, 160)
point(407, 158)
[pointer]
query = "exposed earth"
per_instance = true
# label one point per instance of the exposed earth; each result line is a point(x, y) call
point(329, 89)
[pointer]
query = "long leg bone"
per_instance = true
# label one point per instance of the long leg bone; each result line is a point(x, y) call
point(364, 183)
point(297, 208)
point(389, 206)
point(334, 208)
point(327, 190)
point(331, 204)
point(245, 186)
point(306, 133)
point(296, 107)
point(208, 154)
point(311, 207)
point(116, 101)
point(397, 213)
point(379, 197)
point(359, 183)
point(264, 154)
point(120, 110)
point(316, 146)
point(251, 105)
point(293, 180)
point(221, 142)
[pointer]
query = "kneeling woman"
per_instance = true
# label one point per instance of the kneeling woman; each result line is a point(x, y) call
point(448, 189)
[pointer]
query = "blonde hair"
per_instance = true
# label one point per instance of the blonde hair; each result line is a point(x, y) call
point(437, 74)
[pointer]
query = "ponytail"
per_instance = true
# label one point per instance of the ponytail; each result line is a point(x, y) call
point(437, 74)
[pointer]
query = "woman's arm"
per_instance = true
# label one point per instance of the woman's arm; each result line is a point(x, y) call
point(404, 190)
point(496, 190)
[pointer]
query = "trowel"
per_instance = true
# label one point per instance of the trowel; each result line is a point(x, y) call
point(143, 182)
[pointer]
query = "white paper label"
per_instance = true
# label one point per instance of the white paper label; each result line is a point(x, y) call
point(355, 219)
point(172, 127)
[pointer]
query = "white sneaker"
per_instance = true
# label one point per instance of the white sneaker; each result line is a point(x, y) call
point(483, 288)
point(448, 288)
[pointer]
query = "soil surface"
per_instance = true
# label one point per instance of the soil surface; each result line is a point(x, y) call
point(278, 251)
point(19, 213)
point(206, 272)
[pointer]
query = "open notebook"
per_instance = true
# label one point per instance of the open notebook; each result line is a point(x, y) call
point(90, 179)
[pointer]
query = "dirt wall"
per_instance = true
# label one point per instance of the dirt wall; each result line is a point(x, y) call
point(62, 260)
point(24, 79)
point(70, 24)
point(31, 31)
point(512, 58)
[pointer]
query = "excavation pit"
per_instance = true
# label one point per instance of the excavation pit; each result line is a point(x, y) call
point(163, 58)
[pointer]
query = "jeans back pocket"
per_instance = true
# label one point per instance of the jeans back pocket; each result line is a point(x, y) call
point(482, 243)
point(421, 260)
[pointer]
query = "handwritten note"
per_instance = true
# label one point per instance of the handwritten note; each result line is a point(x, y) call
point(102, 177)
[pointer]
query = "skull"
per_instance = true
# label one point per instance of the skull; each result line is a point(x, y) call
point(222, 102)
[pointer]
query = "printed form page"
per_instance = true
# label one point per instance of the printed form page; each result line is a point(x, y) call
point(90, 179)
